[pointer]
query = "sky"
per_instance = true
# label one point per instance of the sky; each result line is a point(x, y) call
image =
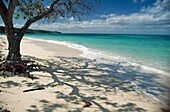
point(115, 17)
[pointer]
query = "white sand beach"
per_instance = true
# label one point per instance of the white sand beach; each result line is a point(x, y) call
point(70, 82)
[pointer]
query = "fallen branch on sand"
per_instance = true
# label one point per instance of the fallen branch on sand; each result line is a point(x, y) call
point(87, 103)
point(29, 90)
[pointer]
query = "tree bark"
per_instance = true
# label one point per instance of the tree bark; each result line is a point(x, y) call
point(13, 45)
point(13, 41)
point(14, 50)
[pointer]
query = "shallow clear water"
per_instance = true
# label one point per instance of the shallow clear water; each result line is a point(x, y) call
point(149, 50)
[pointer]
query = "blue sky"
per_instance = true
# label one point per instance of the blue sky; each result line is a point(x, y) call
point(116, 17)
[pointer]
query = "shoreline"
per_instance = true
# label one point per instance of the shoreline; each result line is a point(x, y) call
point(52, 49)
point(102, 56)
point(68, 80)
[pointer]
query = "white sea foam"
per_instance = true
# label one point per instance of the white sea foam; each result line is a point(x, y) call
point(103, 56)
point(110, 58)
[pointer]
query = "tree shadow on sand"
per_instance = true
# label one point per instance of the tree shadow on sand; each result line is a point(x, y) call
point(82, 75)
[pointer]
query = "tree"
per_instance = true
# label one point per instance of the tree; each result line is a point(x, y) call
point(34, 10)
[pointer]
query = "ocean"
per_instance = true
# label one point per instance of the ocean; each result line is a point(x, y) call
point(143, 60)
point(148, 50)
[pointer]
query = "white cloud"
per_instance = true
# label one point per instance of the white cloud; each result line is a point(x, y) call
point(136, 1)
point(106, 16)
point(71, 19)
point(151, 19)
point(158, 7)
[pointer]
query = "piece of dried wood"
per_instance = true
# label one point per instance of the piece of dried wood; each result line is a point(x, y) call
point(29, 90)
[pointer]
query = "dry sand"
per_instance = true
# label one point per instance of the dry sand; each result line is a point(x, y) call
point(69, 80)
point(45, 50)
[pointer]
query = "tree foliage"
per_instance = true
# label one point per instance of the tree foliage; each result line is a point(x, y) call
point(57, 8)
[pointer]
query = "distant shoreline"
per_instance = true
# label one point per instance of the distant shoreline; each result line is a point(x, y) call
point(29, 31)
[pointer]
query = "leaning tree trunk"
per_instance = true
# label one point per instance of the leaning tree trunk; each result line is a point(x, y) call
point(14, 50)
point(13, 45)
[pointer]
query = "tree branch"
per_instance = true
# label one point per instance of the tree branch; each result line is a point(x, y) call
point(20, 34)
point(11, 8)
point(3, 12)
point(52, 5)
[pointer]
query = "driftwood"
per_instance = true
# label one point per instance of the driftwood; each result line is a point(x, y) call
point(87, 103)
point(29, 90)
point(24, 67)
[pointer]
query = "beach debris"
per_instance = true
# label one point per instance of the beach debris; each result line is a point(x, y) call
point(29, 90)
point(4, 110)
point(87, 103)
point(23, 66)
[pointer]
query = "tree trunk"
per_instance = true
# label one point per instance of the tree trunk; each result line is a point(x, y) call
point(14, 50)
point(13, 45)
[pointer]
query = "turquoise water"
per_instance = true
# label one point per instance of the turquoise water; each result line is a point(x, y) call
point(149, 50)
